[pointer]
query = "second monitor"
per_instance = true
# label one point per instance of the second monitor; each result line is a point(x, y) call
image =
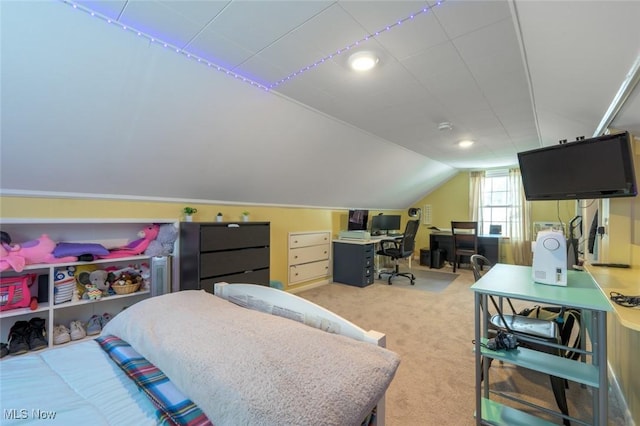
point(382, 224)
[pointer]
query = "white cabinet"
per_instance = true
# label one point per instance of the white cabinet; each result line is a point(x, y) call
point(55, 309)
point(309, 255)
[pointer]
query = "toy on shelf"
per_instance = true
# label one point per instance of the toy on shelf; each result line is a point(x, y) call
point(29, 253)
point(64, 284)
point(127, 282)
point(99, 279)
point(163, 244)
point(93, 292)
point(137, 247)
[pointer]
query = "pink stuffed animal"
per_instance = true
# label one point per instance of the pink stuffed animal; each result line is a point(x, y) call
point(134, 248)
point(9, 259)
point(31, 252)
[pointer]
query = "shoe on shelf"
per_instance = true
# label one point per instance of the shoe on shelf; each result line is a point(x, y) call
point(77, 330)
point(37, 338)
point(18, 338)
point(106, 317)
point(4, 350)
point(61, 335)
point(93, 326)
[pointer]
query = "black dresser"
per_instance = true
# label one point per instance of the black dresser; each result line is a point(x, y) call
point(211, 252)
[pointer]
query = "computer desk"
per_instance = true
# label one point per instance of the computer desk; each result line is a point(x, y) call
point(488, 245)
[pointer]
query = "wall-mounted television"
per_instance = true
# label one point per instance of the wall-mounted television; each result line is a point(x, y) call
point(600, 167)
point(358, 220)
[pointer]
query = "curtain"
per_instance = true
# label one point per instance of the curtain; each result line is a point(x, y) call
point(476, 180)
point(519, 223)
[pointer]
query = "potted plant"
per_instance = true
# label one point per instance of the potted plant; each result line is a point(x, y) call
point(219, 217)
point(245, 216)
point(189, 212)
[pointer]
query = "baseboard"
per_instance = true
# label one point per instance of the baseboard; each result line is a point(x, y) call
point(308, 286)
point(616, 391)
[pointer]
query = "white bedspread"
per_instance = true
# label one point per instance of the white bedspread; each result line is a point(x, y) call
point(244, 367)
point(75, 384)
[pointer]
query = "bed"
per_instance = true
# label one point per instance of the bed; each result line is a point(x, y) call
point(248, 355)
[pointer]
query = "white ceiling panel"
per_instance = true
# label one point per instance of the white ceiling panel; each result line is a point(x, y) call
point(462, 17)
point(511, 74)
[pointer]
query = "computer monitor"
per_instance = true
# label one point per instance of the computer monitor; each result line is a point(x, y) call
point(358, 220)
point(384, 223)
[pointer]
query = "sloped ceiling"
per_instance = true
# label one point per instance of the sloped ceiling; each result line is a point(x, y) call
point(252, 101)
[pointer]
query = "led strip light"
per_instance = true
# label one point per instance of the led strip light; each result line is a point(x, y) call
point(233, 74)
point(355, 44)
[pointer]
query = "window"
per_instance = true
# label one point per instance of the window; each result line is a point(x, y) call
point(495, 203)
point(497, 198)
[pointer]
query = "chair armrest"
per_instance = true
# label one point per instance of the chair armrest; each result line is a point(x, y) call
point(388, 243)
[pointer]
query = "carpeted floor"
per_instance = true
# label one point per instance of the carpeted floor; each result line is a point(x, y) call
point(432, 331)
point(426, 280)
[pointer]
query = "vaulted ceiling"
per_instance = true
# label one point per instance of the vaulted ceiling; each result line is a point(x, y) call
point(509, 75)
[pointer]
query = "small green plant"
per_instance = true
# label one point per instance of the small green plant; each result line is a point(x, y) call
point(189, 211)
point(245, 213)
point(220, 214)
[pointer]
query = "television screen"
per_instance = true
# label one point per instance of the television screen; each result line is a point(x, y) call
point(358, 220)
point(600, 167)
point(385, 223)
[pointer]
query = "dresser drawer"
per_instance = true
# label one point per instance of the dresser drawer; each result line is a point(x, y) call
point(368, 249)
point(308, 254)
point(253, 277)
point(226, 237)
point(308, 271)
point(233, 261)
point(310, 239)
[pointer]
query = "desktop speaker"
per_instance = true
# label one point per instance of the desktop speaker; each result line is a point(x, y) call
point(550, 258)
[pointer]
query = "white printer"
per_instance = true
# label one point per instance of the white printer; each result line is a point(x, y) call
point(550, 258)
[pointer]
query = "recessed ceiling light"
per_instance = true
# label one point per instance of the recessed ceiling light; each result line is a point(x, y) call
point(465, 143)
point(363, 61)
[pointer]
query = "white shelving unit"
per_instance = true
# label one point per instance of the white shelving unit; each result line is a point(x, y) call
point(108, 232)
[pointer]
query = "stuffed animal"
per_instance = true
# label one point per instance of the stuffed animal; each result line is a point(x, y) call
point(10, 259)
point(134, 248)
point(93, 292)
point(76, 295)
point(99, 280)
point(163, 244)
point(127, 278)
point(144, 272)
point(31, 252)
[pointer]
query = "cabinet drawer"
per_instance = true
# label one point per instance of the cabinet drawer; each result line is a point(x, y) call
point(308, 254)
point(234, 261)
point(311, 239)
point(253, 277)
point(225, 237)
point(308, 271)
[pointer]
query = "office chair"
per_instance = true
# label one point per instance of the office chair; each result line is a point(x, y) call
point(549, 332)
point(465, 241)
point(400, 248)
